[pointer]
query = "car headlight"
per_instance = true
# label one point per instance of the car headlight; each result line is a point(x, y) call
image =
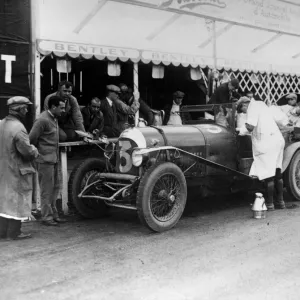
point(137, 158)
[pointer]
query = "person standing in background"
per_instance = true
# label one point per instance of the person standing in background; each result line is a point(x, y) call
point(45, 136)
point(71, 119)
point(16, 176)
point(173, 111)
point(93, 119)
point(224, 92)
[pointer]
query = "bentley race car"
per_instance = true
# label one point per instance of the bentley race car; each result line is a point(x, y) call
point(152, 169)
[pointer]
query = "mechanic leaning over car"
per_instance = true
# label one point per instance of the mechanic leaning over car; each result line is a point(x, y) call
point(267, 147)
point(224, 93)
point(71, 119)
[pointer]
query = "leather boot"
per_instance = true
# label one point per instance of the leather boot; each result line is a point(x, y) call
point(270, 195)
point(279, 191)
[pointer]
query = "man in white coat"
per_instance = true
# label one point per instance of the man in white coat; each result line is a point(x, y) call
point(267, 147)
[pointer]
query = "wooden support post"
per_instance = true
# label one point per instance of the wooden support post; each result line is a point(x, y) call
point(64, 171)
point(37, 106)
point(214, 40)
point(136, 88)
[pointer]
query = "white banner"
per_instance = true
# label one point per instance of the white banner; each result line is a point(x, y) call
point(278, 15)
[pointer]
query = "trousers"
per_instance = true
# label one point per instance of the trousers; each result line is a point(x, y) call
point(67, 135)
point(9, 228)
point(49, 189)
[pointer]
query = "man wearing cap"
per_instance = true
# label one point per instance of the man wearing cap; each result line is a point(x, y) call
point(267, 148)
point(45, 136)
point(291, 110)
point(223, 93)
point(145, 111)
point(127, 105)
point(71, 119)
point(172, 112)
point(109, 110)
point(16, 157)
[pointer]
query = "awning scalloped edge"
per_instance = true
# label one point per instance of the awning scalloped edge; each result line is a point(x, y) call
point(139, 56)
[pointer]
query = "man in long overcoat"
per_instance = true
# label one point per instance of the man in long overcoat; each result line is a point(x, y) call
point(16, 156)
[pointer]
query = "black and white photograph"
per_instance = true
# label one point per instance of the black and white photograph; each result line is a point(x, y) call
point(149, 149)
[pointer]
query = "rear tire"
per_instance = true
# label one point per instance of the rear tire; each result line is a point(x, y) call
point(88, 208)
point(291, 177)
point(161, 196)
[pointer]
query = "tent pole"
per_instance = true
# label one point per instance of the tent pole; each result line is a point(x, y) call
point(37, 81)
point(136, 89)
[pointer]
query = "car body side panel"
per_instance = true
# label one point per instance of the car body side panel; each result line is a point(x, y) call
point(221, 147)
point(210, 141)
point(289, 152)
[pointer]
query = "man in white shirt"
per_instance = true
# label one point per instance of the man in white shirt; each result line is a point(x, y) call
point(267, 147)
point(173, 112)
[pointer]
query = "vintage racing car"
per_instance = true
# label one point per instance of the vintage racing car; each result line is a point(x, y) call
point(151, 169)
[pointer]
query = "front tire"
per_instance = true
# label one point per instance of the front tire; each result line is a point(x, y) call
point(88, 208)
point(292, 177)
point(161, 196)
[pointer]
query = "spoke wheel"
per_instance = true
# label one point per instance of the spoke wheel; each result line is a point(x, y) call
point(292, 177)
point(161, 196)
point(165, 198)
point(85, 173)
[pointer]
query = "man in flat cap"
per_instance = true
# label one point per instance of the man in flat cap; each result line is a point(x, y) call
point(127, 105)
point(172, 112)
point(109, 110)
point(291, 110)
point(16, 157)
point(224, 92)
point(71, 119)
point(145, 111)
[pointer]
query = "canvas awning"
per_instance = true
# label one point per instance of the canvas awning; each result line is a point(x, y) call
point(259, 36)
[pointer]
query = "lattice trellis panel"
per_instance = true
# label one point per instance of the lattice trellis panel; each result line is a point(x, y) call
point(268, 87)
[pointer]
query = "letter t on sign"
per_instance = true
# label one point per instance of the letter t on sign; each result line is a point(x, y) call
point(8, 66)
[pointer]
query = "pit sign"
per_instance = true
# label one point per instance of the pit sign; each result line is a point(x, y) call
point(14, 69)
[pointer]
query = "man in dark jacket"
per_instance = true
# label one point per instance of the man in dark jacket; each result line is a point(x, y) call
point(145, 110)
point(45, 136)
point(93, 119)
point(224, 92)
point(71, 119)
point(109, 110)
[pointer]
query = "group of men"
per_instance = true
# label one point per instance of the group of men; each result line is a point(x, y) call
point(108, 116)
point(22, 154)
